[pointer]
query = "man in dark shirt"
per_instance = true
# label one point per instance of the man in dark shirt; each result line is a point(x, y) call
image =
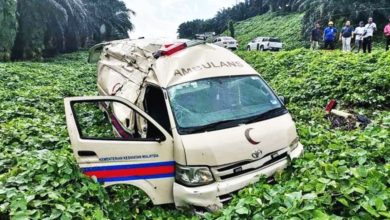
point(315, 37)
point(346, 36)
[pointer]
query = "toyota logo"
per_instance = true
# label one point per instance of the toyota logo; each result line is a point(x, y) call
point(257, 154)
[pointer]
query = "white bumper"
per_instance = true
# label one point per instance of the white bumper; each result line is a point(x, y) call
point(231, 46)
point(211, 196)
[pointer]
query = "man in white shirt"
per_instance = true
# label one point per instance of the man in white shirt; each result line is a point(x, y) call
point(358, 35)
point(370, 28)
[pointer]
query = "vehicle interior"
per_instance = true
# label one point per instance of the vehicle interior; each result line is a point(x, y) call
point(155, 106)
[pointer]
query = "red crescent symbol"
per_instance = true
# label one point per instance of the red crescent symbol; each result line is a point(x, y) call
point(248, 137)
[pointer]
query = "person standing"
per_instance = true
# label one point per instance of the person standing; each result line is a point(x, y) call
point(346, 36)
point(315, 37)
point(330, 34)
point(370, 28)
point(387, 35)
point(358, 35)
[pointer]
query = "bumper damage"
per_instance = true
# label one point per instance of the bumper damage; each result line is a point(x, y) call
point(213, 196)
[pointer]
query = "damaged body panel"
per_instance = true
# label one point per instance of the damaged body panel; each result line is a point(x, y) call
point(192, 122)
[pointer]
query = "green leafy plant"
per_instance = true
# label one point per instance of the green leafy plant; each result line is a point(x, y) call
point(343, 174)
point(286, 27)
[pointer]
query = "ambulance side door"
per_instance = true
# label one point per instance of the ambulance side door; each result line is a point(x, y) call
point(108, 147)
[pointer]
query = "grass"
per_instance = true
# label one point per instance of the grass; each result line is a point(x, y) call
point(344, 174)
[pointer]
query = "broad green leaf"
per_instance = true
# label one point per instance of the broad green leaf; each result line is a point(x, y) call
point(343, 201)
point(320, 215)
point(370, 209)
point(242, 211)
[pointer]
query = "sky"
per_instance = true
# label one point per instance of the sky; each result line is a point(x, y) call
point(161, 18)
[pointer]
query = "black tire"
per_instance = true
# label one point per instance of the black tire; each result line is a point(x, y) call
point(248, 48)
point(261, 48)
point(258, 47)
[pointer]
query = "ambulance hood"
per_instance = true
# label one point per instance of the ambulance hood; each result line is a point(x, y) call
point(238, 144)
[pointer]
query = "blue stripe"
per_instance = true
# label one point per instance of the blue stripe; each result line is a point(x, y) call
point(129, 178)
point(128, 166)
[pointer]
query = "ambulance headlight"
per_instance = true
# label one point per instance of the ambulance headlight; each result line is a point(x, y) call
point(294, 144)
point(193, 176)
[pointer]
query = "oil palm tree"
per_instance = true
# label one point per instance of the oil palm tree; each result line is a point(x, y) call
point(48, 27)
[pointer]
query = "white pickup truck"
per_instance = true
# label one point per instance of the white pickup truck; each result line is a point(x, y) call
point(265, 43)
point(187, 122)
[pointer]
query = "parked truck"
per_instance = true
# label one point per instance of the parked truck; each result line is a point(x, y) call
point(265, 43)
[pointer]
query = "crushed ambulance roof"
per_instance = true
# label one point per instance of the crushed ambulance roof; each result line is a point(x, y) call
point(192, 63)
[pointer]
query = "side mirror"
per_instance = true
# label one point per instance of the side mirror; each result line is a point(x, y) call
point(160, 139)
point(283, 100)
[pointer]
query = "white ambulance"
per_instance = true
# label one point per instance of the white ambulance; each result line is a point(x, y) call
point(187, 122)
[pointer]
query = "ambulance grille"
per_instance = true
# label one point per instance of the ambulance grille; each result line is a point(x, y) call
point(241, 172)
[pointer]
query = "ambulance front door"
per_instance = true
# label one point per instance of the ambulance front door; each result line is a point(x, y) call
point(108, 147)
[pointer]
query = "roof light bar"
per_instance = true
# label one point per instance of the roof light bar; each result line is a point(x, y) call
point(173, 49)
point(170, 49)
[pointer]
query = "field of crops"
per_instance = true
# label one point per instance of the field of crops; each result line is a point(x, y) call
point(342, 174)
point(287, 27)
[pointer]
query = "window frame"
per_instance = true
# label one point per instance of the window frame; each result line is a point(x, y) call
point(148, 85)
point(79, 130)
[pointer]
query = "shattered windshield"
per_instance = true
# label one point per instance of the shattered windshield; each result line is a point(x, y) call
point(206, 102)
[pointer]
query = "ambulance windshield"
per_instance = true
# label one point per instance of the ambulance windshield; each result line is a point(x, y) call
point(217, 103)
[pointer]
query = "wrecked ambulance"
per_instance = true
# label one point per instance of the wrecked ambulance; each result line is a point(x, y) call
point(187, 122)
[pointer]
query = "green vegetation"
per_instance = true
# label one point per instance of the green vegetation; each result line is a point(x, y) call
point(316, 77)
point(312, 10)
point(231, 29)
point(38, 175)
point(342, 174)
point(32, 29)
point(287, 28)
point(8, 26)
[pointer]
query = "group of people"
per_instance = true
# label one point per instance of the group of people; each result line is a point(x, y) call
point(363, 35)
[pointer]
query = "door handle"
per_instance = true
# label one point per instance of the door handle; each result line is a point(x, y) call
point(87, 153)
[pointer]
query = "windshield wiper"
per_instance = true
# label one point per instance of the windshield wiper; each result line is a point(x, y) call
point(209, 127)
point(267, 115)
point(213, 126)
